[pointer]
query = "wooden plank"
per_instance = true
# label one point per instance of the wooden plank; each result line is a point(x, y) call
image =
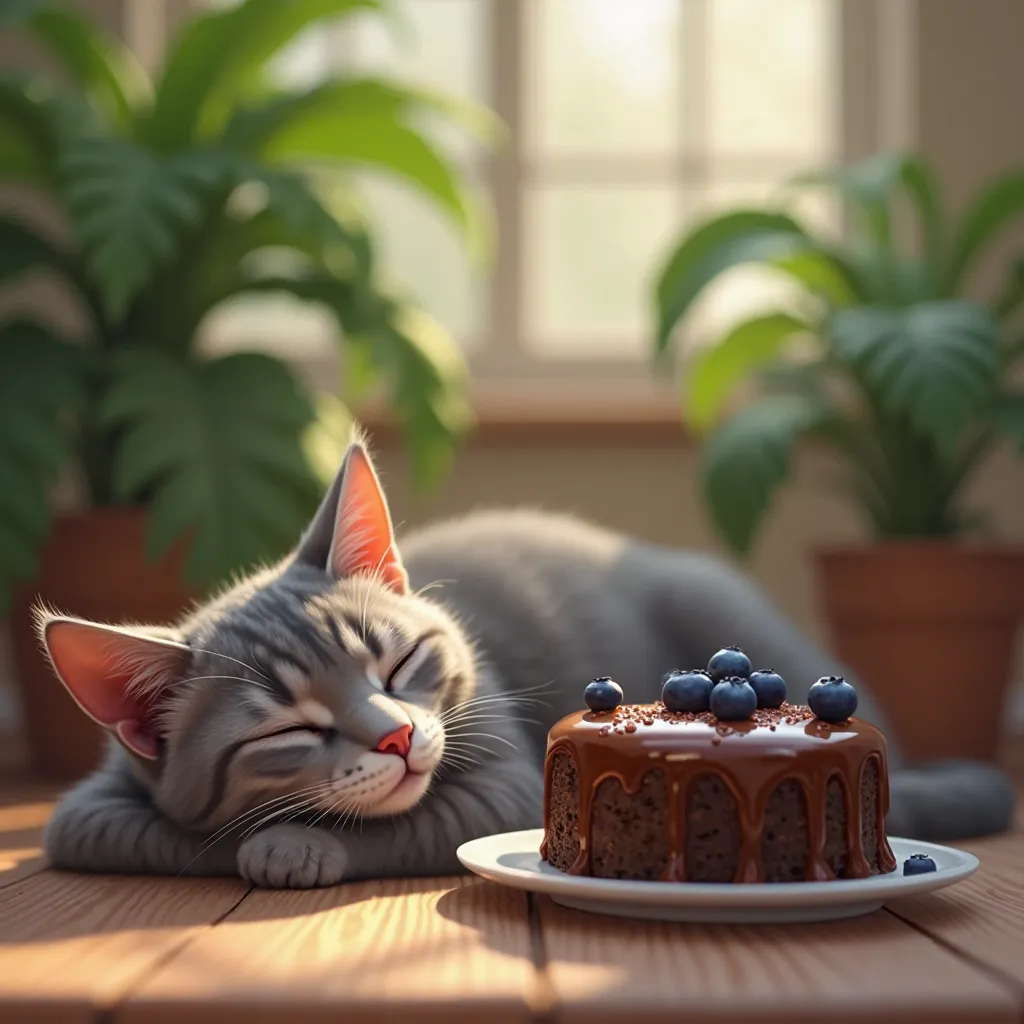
point(72, 945)
point(874, 968)
point(22, 818)
point(983, 917)
point(438, 951)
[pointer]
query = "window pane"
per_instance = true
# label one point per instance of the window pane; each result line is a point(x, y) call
point(771, 72)
point(602, 76)
point(588, 265)
point(441, 44)
point(421, 250)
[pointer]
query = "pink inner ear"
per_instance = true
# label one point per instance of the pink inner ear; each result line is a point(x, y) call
point(97, 665)
point(364, 541)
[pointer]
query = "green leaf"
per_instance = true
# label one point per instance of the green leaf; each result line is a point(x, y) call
point(105, 70)
point(386, 145)
point(26, 142)
point(130, 208)
point(22, 250)
point(422, 365)
point(821, 274)
point(717, 371)
point(336, 101)
point(935, 363)
point(341, 246)
point(215, 58)
point(747, 459)
point(919, 181)
point(217, 449)
point(869, 186)
point(714, 246)
point(40, 387)
point(992, 212)
point(1012, 296)
point(291, 218)
point(1008, 418)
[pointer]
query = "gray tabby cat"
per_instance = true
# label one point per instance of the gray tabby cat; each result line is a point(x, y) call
point(325, 721)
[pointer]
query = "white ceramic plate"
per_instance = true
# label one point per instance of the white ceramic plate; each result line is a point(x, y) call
point(513, 859)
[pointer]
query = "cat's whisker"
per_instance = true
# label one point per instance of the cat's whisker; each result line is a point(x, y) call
point(484, 701)
point(475, 746)
point(457, 755)
point(237, 821)
point(240, 818)
point(240, 679)
point(300, 805)
point(491, 704)
point(487, 735)
point(309, 791)
point(434, 585)
point(460, 762)
point(458, 721)
point(377, 574)
point(331, 808)
point(526, 693)
point(227, 657)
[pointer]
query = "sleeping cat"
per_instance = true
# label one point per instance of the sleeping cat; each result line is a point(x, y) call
point(355, 712)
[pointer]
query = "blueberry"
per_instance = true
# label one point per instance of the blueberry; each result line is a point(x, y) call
point(687, 691)
point(918, 864)
point(769, 686)
point(832, 699)
point(733, 699)
point(603, 694)
point(730, 661)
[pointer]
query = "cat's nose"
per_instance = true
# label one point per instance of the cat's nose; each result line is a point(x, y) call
point(397, 742)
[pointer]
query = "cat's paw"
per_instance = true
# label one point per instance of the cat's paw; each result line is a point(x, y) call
point(292, 857)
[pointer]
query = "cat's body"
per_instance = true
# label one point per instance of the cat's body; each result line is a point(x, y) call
point(518, 611)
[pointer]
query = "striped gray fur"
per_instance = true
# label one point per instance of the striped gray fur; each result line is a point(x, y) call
point(267, 703)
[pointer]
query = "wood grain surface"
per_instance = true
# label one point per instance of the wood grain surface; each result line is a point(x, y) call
point(79, 948)
point(983, 918)
point(23, 814)
point(876, 968)
point(72, 945)
point(424, 951)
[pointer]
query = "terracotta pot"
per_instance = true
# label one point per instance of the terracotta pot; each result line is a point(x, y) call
point(931, 628)
point(93, 566)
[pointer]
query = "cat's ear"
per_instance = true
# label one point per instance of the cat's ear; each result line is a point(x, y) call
point(116, 675)
point(352, 531)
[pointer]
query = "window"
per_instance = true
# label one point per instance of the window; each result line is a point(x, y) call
point(628, 120)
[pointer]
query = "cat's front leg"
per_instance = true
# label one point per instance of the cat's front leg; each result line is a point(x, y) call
point(107, 824)
point(504, 796)
point(290, 856)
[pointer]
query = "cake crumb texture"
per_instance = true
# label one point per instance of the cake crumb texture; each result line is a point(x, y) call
point(786, 839)
point(629, 831)
point(835, 827)
point(713, 840)
point(564, 829)
point(869, 812)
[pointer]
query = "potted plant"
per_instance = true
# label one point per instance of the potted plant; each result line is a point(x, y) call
point(884, 360)
point(175, 194)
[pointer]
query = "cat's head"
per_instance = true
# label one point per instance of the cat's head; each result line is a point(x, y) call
point(319, 683)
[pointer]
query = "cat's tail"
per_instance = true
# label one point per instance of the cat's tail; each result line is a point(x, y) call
point(945, 800)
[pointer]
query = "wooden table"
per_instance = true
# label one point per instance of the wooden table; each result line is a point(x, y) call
point(128, 949)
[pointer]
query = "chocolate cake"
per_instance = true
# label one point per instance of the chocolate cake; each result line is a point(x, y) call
point(646, 793)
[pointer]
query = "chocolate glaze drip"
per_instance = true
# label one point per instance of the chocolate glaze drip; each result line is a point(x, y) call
point(750, 757)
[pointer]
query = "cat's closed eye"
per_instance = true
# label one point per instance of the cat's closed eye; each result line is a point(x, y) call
point(300, 732)
point(405, 667)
